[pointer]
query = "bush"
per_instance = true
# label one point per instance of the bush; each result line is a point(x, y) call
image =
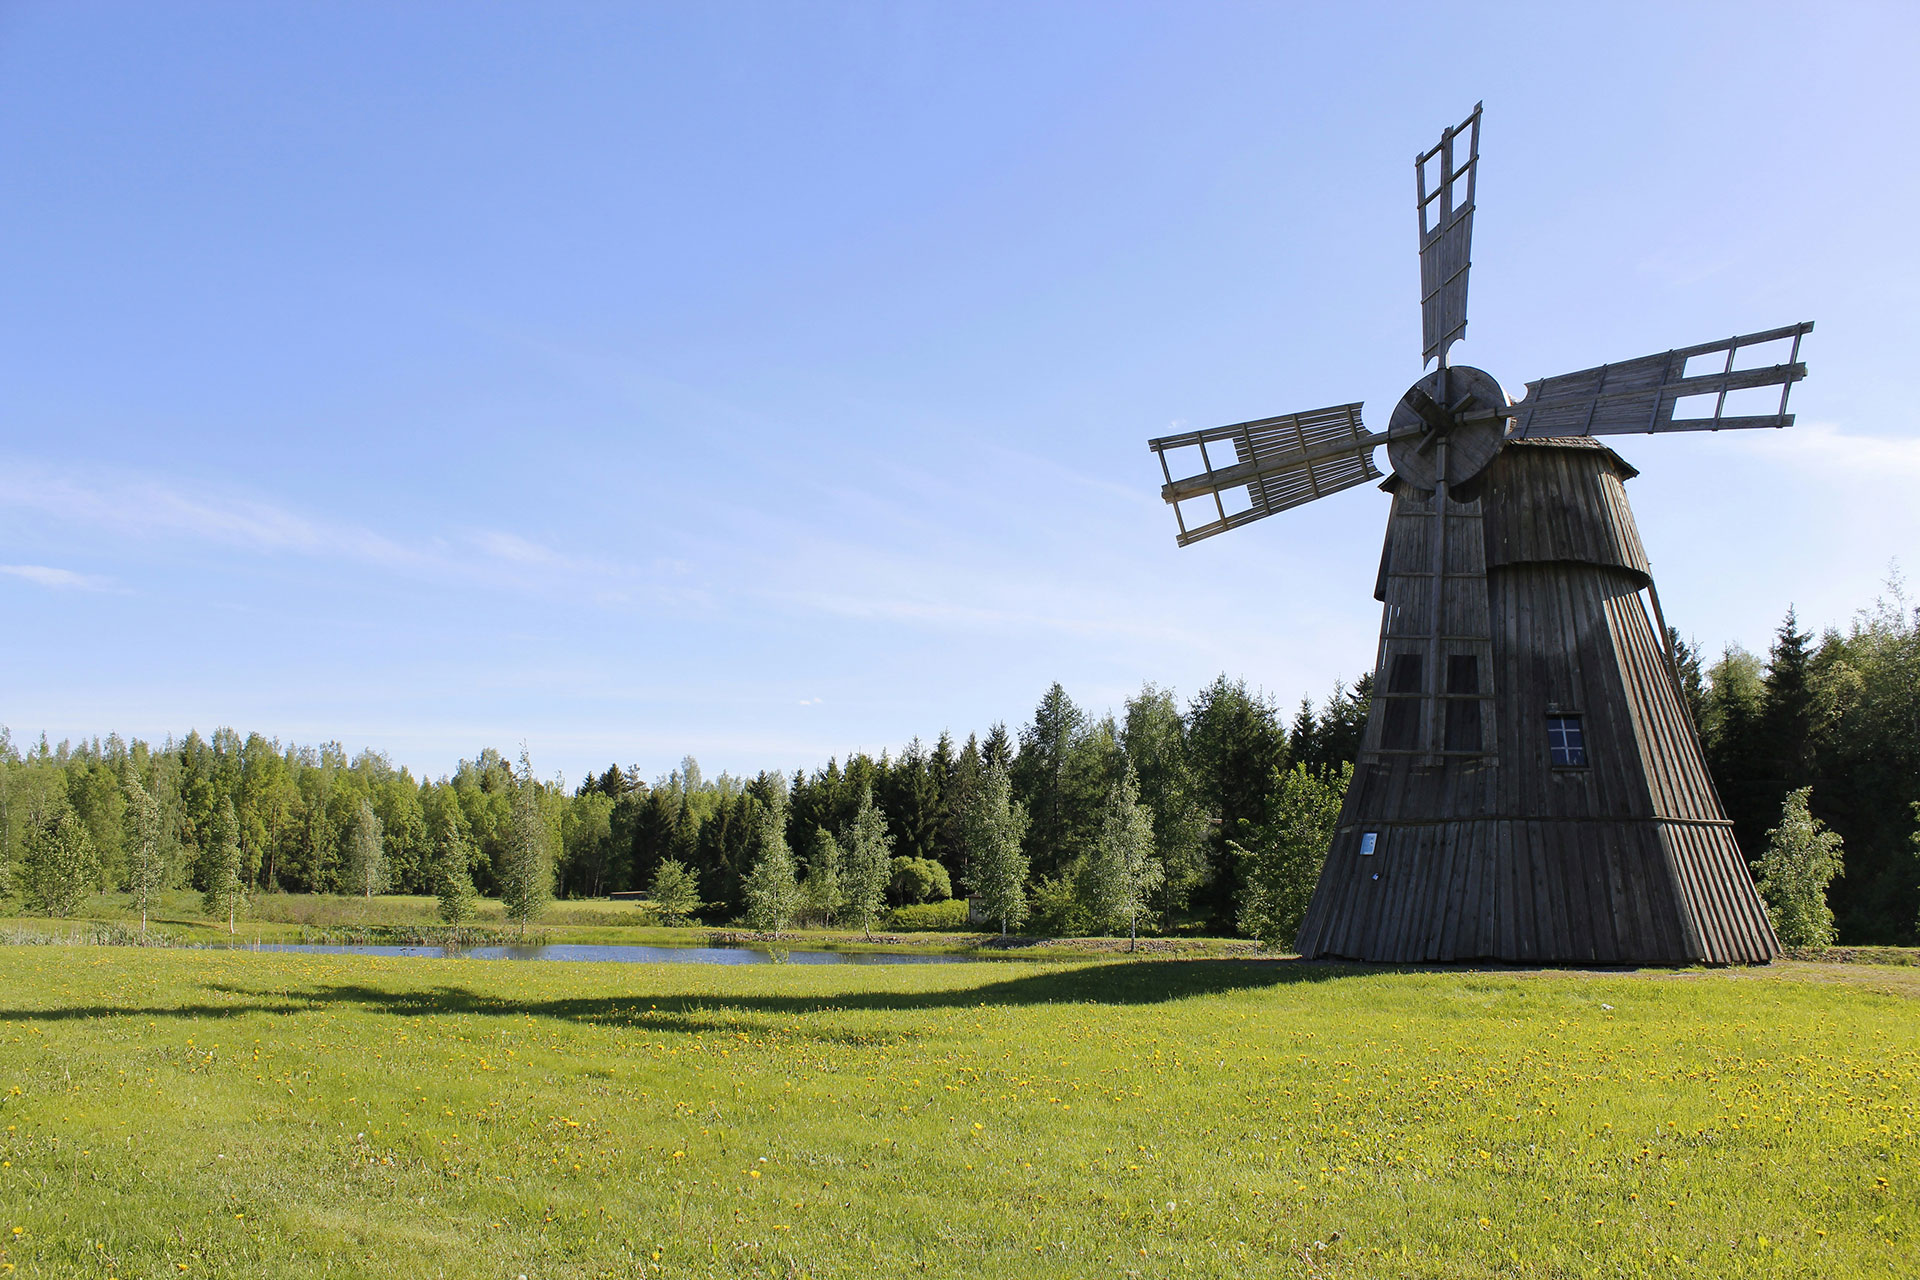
point(1059, 908)
point(930, 917)
point(1801, 859)
point(919, 880)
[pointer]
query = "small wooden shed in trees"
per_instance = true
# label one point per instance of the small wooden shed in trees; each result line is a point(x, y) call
point(1530, 786)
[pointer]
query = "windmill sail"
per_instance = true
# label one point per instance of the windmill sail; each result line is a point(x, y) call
point(1277, 463)
point(1446, 236)
point(1641, 395)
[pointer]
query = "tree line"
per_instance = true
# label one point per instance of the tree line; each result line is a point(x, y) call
point(232, 816)
point(1212, 815)
point(1838, 718)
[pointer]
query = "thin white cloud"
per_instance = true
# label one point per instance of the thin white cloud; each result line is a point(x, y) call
point(58, 579)
point(147, 508)
point(1824, 447)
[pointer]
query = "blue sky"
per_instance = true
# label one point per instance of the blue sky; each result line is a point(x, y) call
point(766, 382)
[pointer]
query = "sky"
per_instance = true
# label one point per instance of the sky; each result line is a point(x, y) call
point(769, 382)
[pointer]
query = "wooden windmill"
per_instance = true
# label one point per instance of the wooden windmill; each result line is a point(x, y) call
point(1530, 786)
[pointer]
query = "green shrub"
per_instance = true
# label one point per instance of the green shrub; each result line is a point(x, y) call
point(930, 917)
point(917, 880)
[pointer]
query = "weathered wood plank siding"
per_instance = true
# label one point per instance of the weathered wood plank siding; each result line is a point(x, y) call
point(1499, 854)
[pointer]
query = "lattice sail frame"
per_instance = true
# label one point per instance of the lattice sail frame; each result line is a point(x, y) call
point(1446, 238)
point(1281, 462)
point(1638, 396)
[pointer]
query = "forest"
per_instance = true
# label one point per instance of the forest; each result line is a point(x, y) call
point(1211, 791)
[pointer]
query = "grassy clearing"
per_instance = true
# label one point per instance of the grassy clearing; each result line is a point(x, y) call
point(170, 1113)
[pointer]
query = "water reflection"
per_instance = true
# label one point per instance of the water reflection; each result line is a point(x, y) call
point(618, 954)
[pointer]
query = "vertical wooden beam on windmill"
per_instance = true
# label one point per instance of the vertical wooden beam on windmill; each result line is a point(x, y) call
point(1446, 241)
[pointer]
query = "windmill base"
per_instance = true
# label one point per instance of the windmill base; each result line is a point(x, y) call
point(1543, 892)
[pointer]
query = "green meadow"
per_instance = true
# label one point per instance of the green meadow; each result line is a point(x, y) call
point(179, 1112)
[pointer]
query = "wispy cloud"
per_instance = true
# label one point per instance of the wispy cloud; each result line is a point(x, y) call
point(1824, 447)
point(146, 506)
point(149, 508)
point(58, 579)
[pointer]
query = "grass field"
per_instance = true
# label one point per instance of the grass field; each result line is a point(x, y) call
point(193, 1113)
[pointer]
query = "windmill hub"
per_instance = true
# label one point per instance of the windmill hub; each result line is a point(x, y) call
point(1453, 414)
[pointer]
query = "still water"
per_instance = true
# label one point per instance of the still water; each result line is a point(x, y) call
point(624, 955)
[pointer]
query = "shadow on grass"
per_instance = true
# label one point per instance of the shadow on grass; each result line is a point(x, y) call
point(1141, 982)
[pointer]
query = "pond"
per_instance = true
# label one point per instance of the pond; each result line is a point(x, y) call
point(619, 954)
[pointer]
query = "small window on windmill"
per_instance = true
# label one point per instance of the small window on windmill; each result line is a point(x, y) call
point(1463, 702)
point(1401, 731)
point(1566, 745)
point(1369, 841)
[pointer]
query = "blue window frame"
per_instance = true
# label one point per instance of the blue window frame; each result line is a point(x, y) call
point(1565, 743)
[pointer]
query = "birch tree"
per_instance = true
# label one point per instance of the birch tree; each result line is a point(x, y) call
point(772, 889)
point(868, 863)
point(993, 828)
point(367, 853)
point(226, 892)
point(146, 856)
point(1122, 872)
point(59, 863)
point(526, 873)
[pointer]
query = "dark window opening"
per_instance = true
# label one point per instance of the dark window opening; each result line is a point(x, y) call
point(1402, 731)
point(1463, 724)
point(1463, 715)
point(1565, 743)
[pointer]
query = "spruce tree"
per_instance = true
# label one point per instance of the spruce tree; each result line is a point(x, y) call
point(1686, 664)
point(1801, 859)
point(1238, 751)
point(868, 864)
point(995, 826)
point(675, 892)
point(146, 856)
point(1045, 778)
point(771, 888)
point(1787, 709)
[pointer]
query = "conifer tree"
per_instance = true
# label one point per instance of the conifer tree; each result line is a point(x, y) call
point(995, 825)
point(771, 887)
point(226, 892)
point(526, 876)
point(1801, 859)
point(146, 856)
point(868, 864)
point(59, 863)
point(675, 891)
point(1122, 872)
